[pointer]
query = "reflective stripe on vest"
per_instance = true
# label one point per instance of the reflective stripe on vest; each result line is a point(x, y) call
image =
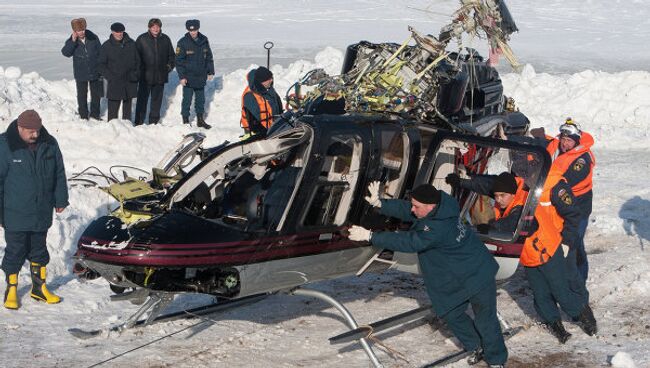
point(542, 244)
point(518, 200)
point(266, 112)
point(564, 161)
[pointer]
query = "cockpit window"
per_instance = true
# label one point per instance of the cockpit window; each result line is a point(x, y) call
point(332, 198)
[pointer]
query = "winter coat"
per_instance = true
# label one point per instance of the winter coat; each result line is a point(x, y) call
point(119, 63)
point(454, 263)
point(32, 183)
point(85, 56)
point(259, 105)
point(157, 57)
point(194, 60)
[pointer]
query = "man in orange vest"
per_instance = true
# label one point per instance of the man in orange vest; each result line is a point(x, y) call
point(549, 273)
point(259, 102)
point(509, 193)
point(572, 156)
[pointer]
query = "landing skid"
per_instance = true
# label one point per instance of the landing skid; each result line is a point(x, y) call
point(155, 303)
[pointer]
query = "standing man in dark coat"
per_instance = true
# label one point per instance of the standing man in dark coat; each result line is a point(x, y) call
point(119, 63)
point(456, 266)
point(158, 58)
point(260, 102)
point(32, 184)
point(84, 46)
point(195, 65)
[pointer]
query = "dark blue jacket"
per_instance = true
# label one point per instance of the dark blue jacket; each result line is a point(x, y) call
point(84, 56)
point(252, 108)
point(194, 60)
point(455, 264)
point(32, 183)
point(119, 63)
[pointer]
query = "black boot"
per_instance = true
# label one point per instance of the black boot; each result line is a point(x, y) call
point(557, 329)
point(475, 357)
point(186, 120)
point(587, 321)
point(39, 289)
point(201, 123)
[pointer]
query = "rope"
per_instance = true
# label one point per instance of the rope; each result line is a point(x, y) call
point(392, 352)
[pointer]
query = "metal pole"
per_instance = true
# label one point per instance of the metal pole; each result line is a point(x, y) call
point(268, 46)
point(348, 317)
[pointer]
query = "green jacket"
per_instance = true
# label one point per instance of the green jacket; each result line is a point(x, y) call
point(32, 183)
point(455, 264)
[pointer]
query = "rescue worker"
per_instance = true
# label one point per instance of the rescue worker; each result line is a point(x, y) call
point(32, 184)
point(83, 46)
point(158, 59)
point(119, 64)
point(572, 156)
point(259, 102)
point(509, 194)
point(545, 261)
point(195, 65)
point(456, 266)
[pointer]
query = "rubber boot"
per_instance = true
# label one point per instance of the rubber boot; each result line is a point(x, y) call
point(587, 321)
point(201, 123)
point(39, 289)
point(557, 329)
point(186, 120)
point(11, 294)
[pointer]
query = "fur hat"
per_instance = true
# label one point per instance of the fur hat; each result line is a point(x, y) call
point(505, 183)
point(78, 24)
point(426, 194)
point(117, 27)
point(154, 21)
point(192, 25)
point(262, 75)
point(29, 119)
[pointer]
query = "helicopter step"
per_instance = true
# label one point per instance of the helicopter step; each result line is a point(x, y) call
point(156, 302)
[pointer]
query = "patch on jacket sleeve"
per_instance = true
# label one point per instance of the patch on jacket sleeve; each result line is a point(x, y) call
point(565, 197)
point(579, 164)
point(178, 50)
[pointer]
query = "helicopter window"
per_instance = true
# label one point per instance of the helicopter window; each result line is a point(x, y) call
point(393, 157)
point(332, 198)
point(478, 165)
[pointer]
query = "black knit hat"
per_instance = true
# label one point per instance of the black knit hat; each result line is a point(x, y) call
point(262, 74)
point(117, 27)
point(192, 24)
point(505, 183)
point(426, 194)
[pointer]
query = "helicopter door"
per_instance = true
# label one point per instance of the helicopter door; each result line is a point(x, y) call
point(332, 197)
point(473, 157)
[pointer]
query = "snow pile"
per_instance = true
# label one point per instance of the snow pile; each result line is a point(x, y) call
point(623, 360)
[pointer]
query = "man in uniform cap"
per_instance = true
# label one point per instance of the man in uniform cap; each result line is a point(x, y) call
point(456, 266)
point(195, 66)
point(83, 46)
point(32, 185)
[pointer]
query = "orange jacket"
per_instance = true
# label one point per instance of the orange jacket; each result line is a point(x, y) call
point(542, 244)
point(518, 200)
point(266, 113)
point(563, 162)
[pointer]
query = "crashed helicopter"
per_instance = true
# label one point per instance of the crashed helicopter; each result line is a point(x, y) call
point(270, 212)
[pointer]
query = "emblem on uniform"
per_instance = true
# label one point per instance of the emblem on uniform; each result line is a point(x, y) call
point(426, 228)
point(579, 164)
point(178, 51)
point(565, 197)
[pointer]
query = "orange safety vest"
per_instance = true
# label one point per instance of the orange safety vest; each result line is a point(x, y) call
point(266, 112)
point(518, 200)
point(542, 244)
point(564, 161)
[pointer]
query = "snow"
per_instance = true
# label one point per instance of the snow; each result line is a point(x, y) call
point(584, 59)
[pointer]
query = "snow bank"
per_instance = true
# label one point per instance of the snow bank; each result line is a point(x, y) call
point(623, 360)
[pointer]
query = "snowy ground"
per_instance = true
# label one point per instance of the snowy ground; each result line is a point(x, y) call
point(581, 55)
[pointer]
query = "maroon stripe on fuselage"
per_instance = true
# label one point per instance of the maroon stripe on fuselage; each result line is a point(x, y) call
point(512, 250)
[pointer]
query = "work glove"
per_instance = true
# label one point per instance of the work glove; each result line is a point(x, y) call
point(565, 249)
point(483, 228)
point(373, 198)
point(453, 180)
point(358, 233)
